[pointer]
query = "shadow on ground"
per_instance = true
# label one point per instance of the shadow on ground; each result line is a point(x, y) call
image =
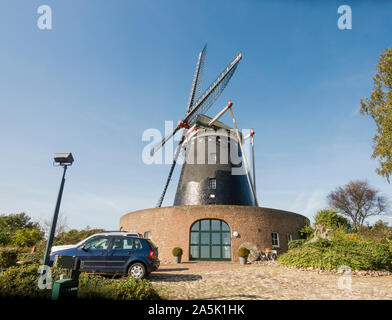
point(173, 269)
point(162, 277)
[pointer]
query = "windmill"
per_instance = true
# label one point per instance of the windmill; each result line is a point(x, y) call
point(194, 118)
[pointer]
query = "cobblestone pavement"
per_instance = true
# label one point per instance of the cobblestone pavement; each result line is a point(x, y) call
point(227, 280)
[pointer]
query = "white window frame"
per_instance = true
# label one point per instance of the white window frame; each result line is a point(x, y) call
point(273, 240)
point(289, 237)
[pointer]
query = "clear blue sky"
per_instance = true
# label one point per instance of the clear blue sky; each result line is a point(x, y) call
point(111, 69)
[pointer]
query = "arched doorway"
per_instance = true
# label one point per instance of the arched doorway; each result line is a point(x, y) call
point(210, 239)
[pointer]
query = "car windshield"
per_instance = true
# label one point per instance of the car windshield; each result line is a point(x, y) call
point(83, 241)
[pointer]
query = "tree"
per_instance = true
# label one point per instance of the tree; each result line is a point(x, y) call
point(13, 222)
point(74, 236)
point(379, 232)
point(358, 200)
point(379, 107)
point(61, 225)
point(10, 223)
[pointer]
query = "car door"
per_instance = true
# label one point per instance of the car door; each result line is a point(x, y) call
point(93, 254)
point(121, 251)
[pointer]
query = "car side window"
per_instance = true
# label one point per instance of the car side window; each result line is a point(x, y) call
point(123, 244)
point(128, 244)
point(118, 244)
point(98, 244)
point(137, 244)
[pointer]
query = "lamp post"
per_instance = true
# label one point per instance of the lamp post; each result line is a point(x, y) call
point(64, 160)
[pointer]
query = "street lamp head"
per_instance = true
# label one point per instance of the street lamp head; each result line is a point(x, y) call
point(64, 159)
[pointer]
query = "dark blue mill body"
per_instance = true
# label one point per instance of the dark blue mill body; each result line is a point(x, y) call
point(207, 173)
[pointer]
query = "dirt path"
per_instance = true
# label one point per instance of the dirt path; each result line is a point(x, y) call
point(226, 280)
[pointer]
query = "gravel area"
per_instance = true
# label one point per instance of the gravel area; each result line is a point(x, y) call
point(228, 280)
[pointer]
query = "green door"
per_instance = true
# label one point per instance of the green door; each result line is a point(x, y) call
point(210, 240)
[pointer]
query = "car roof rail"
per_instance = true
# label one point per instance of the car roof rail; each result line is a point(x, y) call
point(131, 234)
point(122, 233)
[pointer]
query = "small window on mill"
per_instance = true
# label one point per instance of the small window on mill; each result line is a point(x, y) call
point(213, 184)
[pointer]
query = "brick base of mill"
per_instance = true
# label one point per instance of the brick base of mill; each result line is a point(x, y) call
point(170, 227)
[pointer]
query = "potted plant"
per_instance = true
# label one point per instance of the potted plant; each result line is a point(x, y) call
point(243, 254)
point(177, 253)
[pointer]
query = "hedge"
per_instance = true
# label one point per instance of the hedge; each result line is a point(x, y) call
point(22, 281)
point(349, 250)
point(8, 257)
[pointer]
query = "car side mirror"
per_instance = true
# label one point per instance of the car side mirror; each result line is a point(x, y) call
point(83, 247)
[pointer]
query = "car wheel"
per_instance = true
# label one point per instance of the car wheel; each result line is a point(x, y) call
point(137, 270)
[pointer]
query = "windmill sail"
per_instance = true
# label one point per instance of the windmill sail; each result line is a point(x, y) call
point(177, 153)
point(194, 94)
point(206, 100)
point(213, 91)
point(197, 79)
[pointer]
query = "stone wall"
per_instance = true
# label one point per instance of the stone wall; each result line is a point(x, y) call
point(170, 226)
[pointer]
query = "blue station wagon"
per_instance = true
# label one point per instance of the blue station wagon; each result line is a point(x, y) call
point(113, 253)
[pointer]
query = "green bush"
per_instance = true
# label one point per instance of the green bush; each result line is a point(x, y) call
point(306, 232)
point(134, 289)
point(177, 252)
point(98, 287)
point(94, 287)
point(330, 219)
point(8, 257)
point(243, 252)
point(296, 243)
point(26, 237)
point(32, 257)
point(344, 249)
point(4, 238)
point(21, 281)
point(320, 243)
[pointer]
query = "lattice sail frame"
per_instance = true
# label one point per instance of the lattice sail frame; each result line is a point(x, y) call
point(213, 96)
point(205, 101)
point(212, 93)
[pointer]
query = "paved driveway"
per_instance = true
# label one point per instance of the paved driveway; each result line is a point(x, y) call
point(227, 280)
